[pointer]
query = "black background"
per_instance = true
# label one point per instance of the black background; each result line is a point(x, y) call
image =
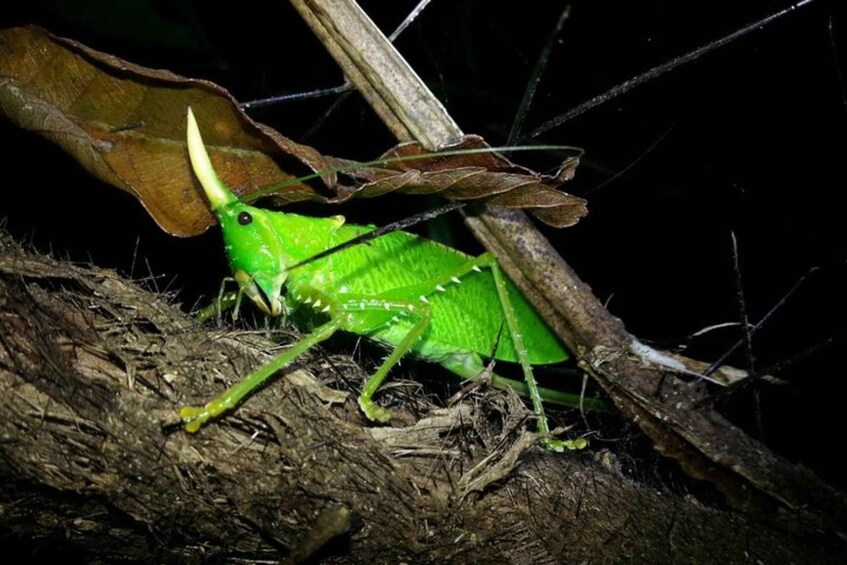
point(750, 139)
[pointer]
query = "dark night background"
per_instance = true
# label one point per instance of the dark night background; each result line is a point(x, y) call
point(750, 139)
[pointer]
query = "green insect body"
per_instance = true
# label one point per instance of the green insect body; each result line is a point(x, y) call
point(410, 293)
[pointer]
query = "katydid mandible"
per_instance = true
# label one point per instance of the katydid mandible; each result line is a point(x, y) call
point(410, 293)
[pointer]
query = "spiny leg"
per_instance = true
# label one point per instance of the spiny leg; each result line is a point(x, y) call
point(396, 302)
point(532, 389)
point(195, 416)
point(362, 306)
point(517, 339)
point(489, 261)
point(468, 365)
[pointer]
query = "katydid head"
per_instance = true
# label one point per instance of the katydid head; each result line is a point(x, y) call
point(253, 248)
point(252, 245)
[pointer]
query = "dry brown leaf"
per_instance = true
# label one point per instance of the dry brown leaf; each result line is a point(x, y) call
point(126, 125)
point(482, 176)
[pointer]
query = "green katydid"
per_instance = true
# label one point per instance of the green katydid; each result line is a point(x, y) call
point(413, 294)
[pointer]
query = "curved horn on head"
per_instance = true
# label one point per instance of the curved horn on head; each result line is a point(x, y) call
point(216, 191)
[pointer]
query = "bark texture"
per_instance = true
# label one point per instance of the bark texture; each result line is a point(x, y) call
point(92, 457)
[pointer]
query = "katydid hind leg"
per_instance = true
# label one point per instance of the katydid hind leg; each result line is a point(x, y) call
point(469, 365)
point(463, 364)
point(487, 260)
point(551, 443)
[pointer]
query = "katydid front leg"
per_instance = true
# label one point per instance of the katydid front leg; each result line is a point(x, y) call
point(195, 416)
point(354, 313)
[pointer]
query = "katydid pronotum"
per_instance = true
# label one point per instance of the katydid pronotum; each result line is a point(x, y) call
point(413, 294)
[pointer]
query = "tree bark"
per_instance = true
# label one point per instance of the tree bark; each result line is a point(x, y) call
point(93, 370)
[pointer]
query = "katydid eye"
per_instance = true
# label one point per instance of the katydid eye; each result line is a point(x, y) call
point(244, 218)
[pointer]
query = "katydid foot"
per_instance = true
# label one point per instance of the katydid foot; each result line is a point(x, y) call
point(194, 417)
point(373, 411)
point(560, 445)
